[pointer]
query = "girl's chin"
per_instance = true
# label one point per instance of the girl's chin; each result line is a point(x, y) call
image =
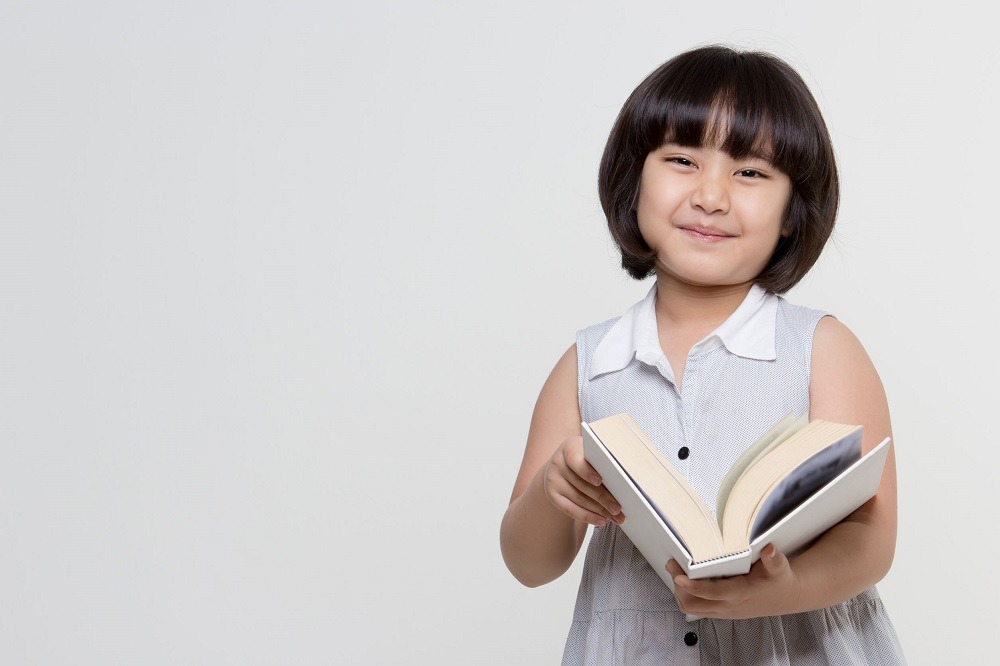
point(699, 279)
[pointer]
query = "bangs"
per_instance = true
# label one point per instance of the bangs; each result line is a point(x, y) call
point(734, 104)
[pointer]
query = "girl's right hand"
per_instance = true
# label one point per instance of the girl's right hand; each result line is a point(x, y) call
point(575, 488)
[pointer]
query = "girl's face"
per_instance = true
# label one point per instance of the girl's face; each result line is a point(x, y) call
point(711, 219)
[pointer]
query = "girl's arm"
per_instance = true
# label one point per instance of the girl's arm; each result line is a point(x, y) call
point(557, 493)
point(853, 555)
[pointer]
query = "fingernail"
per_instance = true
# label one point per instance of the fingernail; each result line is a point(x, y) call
point(615, 508)
point(600, 522)
point(596, 480)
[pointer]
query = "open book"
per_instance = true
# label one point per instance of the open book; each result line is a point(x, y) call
point(798, 480)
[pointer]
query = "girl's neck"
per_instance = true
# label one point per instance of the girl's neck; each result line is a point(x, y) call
point(684, 305)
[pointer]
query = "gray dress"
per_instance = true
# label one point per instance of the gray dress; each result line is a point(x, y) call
point(739, 381)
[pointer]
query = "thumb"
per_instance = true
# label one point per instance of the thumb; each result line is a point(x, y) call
point(773, 560)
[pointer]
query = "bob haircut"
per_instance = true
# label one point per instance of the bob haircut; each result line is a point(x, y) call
point(767, 111)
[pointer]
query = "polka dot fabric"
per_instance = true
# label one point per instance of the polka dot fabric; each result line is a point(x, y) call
point(624, 613)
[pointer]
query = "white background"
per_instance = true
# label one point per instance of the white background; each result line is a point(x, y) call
point(280, 283)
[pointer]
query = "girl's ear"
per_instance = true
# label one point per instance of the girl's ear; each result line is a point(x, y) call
point(787, 227)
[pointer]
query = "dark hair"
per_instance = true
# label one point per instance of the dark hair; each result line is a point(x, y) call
point(770, 112)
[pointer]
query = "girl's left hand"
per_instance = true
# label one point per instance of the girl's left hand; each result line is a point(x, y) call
point(770, 588)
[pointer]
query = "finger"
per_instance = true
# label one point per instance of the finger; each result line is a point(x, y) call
point(561, 479)
point(697, 591)
point(599, 494)
point(693, 605)
point(577, 512)
point(677, 574)
point(578, 463)
point(559, 485)
point(774, 561)
point(569, 470)
point(590, 504)
point(587, 480)
point(717, 589)
point(682, 599)
point(674, 568)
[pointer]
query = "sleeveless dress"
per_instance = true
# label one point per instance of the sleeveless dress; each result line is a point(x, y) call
point(738, 381)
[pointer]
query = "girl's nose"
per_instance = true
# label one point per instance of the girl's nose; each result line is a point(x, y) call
point(710, 195)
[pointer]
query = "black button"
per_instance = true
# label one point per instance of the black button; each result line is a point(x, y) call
point(683, 454)
point(690, 638)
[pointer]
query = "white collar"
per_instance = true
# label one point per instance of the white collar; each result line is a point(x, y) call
point(748, 332)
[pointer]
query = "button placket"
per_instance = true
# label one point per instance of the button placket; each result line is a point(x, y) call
point(688, 401)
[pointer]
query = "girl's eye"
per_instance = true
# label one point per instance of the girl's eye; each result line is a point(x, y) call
point(683, 161)
point(750, 173)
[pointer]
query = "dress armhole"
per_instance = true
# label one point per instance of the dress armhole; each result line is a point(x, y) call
point(581, 370)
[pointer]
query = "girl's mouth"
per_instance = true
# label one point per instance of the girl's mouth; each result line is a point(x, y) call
point(705, 235)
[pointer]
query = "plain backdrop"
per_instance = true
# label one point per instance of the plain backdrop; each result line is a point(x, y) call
point(280, 283)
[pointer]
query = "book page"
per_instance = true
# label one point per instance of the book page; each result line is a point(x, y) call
point(828, 506)
point(656, 507)
point(663, 486)
point(752, 489)
point(805, 480)
point(781, 431)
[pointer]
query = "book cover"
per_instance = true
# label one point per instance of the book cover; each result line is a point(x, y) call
point(649, 528)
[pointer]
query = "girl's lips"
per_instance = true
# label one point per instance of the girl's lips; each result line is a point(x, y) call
point(705, 235)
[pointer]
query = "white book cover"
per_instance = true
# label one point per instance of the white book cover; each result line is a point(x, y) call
point(655, 539)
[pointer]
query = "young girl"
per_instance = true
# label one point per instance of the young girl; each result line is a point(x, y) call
point(719, 179)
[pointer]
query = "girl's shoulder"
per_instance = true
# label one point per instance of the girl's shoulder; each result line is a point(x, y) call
point(829, 336)
point(835, 345)
point(589, 339)
point(802, 315)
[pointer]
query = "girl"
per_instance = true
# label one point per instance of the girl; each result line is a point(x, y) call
point(719, 179)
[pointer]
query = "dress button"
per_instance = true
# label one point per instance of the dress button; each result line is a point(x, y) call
point(683, 453)
point(690, 638)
